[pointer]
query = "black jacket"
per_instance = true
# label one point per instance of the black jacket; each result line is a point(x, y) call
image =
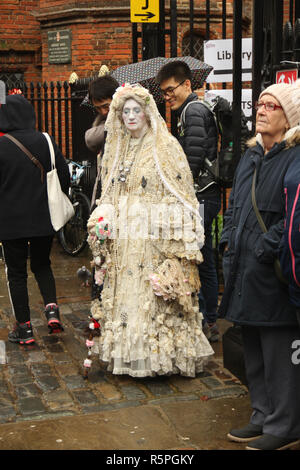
point(23, 198)
point(199, 137)
point(253, 295)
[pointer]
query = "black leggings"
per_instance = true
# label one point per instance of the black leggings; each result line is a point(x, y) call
point(15, 256)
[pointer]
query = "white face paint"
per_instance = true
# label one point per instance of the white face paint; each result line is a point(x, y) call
point(134, 118)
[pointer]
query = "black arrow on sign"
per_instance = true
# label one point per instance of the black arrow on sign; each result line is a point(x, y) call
point(148, 15)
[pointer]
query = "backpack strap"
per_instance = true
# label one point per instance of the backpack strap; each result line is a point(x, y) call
point(202, 102)
point(34, 160)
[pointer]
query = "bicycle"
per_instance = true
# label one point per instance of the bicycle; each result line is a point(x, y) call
point(73, 235)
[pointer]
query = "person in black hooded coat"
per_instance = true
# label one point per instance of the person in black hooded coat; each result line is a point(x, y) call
point(24, 213)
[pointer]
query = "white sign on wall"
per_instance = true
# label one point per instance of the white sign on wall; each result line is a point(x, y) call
point(219, 54)
point(246, 104)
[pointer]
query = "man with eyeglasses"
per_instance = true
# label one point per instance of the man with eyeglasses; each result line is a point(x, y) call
point(199, 140)
point(101, 92)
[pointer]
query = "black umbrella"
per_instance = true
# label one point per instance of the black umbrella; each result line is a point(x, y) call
point(145, 72)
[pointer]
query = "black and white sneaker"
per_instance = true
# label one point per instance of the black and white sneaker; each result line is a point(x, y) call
point(22, 333)
point(52, 315)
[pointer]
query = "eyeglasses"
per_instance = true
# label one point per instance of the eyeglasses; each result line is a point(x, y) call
point(269, 106)
point(170, 91)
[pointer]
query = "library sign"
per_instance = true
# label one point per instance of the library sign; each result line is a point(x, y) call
point(59, 47)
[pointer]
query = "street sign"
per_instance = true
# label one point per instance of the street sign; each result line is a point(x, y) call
point(219, 54)
point(144, 11)
point(287, 76)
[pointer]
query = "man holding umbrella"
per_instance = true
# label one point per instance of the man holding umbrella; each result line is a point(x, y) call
point(199, 139)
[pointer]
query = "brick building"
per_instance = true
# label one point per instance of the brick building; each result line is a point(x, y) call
point(99, 32)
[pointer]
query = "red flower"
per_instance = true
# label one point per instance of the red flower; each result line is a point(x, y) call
point(15, 91)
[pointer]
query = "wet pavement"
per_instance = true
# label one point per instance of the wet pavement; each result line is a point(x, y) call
point(45, 403)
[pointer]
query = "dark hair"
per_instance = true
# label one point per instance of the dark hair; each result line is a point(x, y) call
point(176, 69)
point(102, 88)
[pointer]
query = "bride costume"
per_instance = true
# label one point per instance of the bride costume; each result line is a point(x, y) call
point(145, 235)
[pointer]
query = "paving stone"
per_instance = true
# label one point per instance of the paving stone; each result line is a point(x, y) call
point(6, 413)
point(132, 392)
point(41, 369)
point(3, 386)
point(15, 357)
point(42, 330)
point(174, 399)
point(31, 406)
point(47, 382)
point(21, 379)
point(58, 399)
point(85, 397)
point(158, 388)
point(74, 381)
point(109, 392)
point(232, 382)
point(37, 322)
point(27, 390)
point(76, 348)
point(211, 365)
point(67, 369)
point(117, 406)
point(205, 373)
point(18, 369)
point(36, 356)
point(97, 376)
point(186, 385)
point(51, 339)
point(222, 375)
point(5, 399)
point(61, 357)
point(211, 382)
point(54, 348)
point(80, 325)
point(65, 309)
point(72, 317)
point(234, 391)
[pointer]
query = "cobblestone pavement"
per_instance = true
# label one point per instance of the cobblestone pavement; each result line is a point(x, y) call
point(46, 381)
point(47, 378)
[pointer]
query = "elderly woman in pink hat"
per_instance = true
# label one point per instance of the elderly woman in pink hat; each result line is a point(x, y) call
point(256, 296)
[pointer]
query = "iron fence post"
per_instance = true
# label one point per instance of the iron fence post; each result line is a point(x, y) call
point(257, 53)
point(237, 76)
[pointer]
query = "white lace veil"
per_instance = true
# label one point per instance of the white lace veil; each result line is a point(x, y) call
point(169, 158)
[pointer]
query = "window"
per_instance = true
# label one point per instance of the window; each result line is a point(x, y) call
point(12, 80)
point(198, 46)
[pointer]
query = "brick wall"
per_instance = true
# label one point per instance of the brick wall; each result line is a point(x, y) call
point(20, 38)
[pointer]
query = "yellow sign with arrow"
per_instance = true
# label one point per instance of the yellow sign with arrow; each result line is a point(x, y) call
point(144, 11)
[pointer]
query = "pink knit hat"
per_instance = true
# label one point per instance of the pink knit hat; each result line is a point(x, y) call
point(289, 98)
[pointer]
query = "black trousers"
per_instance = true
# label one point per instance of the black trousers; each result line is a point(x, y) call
point(15, 256)
point(272, 358)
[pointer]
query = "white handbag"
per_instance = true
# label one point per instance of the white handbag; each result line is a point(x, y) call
point(60, 207)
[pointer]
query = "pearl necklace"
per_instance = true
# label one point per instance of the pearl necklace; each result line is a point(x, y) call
point(126, 168)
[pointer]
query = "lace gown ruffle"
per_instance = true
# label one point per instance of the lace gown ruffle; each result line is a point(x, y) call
point(141, 333)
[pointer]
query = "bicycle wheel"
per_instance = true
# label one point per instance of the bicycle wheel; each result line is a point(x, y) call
point(73, 235)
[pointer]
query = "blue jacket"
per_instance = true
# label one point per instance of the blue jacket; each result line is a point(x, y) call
point(253, 295)
point(290, 253)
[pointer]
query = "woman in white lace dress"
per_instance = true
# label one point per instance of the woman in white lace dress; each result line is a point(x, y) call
point(145, 235)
